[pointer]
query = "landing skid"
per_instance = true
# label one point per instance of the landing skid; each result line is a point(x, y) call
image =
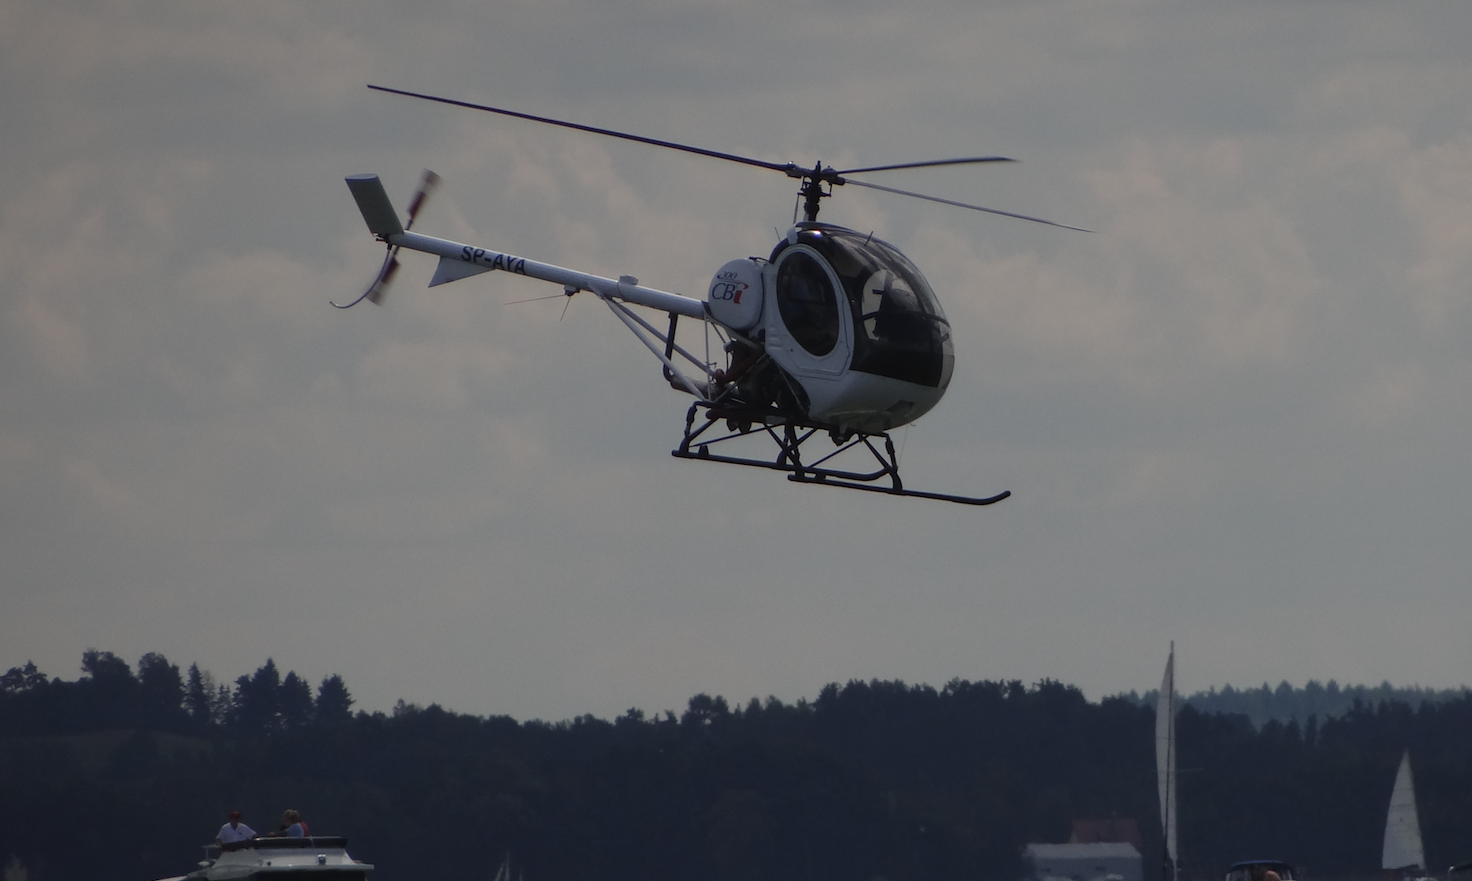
point(789, 435)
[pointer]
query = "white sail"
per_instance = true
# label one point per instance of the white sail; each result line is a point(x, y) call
point(1402, 827)
point(1165, 759)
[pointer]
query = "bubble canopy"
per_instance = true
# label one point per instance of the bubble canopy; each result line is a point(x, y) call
point(900, 330)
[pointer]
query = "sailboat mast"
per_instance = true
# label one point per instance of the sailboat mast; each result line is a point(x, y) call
point(1165, 764)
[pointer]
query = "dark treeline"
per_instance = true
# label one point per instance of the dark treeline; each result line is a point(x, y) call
point(123, 775)
point(109, 696)
point(1286, 703)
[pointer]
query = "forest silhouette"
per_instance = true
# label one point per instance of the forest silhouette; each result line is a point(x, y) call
point(124, 775)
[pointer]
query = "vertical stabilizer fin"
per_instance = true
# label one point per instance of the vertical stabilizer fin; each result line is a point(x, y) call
point(373, 202)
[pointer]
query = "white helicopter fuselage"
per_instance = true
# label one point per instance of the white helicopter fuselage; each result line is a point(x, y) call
point(848, 318)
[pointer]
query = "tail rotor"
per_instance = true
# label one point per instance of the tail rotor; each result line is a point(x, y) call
point(390, 266)
point(427, 184)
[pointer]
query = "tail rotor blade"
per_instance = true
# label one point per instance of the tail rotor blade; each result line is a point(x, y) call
point(380, 282)
point(380, 285)
point(427, 185)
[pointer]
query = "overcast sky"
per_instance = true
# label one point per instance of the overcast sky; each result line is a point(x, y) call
point(1237, 416)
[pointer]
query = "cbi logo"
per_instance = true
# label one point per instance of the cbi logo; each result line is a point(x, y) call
point(727, 290)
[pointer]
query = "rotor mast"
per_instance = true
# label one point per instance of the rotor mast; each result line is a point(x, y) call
point(812, 190)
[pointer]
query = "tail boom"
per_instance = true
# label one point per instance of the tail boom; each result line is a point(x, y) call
point(459, 260)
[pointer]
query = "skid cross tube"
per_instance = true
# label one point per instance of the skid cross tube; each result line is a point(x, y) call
point(789, 434)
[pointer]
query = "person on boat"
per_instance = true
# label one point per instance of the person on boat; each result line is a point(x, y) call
point(292, 826)
point(234, 830)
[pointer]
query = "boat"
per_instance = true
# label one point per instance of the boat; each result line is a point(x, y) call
point(314, 858)
point(1402, 852)
point(1165, 763)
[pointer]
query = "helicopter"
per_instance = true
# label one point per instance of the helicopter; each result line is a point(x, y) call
point(834, 335)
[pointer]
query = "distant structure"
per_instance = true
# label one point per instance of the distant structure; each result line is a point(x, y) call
point(1114, 829)
point(1095, 861)
point(1097, 850)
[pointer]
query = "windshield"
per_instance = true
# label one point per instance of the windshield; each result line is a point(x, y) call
point(900, 330)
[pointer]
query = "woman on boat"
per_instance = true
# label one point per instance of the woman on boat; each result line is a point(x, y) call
point(292, 826)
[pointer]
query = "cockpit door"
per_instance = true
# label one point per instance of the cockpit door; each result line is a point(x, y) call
point(811, 330)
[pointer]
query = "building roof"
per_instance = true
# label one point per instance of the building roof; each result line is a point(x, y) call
point(1111, 829)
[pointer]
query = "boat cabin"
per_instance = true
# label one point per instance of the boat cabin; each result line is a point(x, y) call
point(315, 858)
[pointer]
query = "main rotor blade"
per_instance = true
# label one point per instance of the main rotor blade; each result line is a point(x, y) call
point(869, 186)
point(972, 161)
point(785, 168)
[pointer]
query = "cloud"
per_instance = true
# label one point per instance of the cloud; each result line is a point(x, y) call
point(1435, 190)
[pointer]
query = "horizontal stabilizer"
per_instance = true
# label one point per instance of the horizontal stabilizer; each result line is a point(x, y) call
point(378, 211)
point(454, 269)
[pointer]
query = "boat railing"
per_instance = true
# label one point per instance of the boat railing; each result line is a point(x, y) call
point(273, 843)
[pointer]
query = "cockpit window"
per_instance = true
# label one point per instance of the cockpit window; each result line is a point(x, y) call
point(900, 329)
point(807, 302)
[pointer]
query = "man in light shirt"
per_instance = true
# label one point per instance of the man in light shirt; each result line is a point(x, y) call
point(234, 830)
